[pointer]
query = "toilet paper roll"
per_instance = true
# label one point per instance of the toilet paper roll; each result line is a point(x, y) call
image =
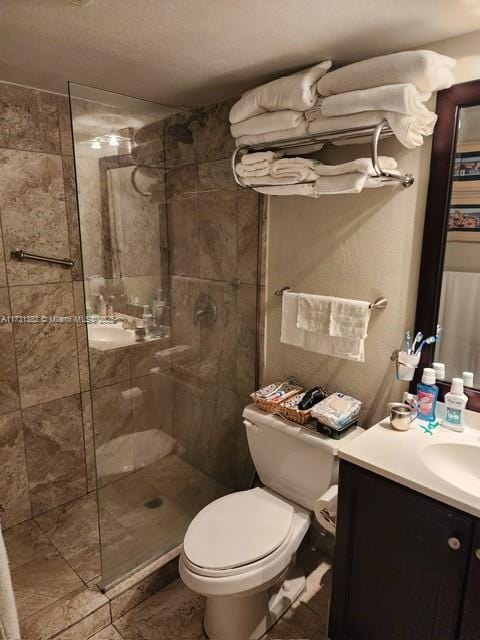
point(325, 509)
point(133, 395)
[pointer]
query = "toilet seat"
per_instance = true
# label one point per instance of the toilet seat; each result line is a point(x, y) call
point(237, 531)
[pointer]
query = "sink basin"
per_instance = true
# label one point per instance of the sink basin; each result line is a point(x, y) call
point(456, 463)
point(109, 336)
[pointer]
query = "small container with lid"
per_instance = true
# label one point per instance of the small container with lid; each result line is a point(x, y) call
point(455, 404)
point(467, 378)
point(439, 370)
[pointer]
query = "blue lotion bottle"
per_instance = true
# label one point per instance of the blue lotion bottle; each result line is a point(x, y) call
point(427, 394)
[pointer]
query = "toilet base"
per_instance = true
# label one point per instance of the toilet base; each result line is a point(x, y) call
point(251, 616)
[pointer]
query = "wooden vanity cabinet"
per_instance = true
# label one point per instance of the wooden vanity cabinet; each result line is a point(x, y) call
point(405, 566)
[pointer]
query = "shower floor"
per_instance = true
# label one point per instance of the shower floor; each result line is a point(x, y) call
point(55, 557)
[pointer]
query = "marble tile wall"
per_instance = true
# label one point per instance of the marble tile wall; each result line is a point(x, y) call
point(214, 229)
point(42, 451)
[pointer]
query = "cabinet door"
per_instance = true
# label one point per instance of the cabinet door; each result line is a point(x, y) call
point(471, 609)
point(400, 562)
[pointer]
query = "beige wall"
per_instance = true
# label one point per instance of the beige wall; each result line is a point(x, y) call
point(360, 246)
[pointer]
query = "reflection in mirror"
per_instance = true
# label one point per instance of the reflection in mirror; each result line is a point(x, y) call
point(459, 312)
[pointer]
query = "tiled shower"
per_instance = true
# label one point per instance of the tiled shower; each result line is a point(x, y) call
point(127, 441)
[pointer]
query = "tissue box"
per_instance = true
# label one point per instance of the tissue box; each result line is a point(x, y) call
point(338, 411)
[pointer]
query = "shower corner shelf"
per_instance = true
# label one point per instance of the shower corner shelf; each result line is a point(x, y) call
point(381, 130)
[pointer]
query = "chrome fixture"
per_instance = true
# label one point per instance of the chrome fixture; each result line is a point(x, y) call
point(380, 303)
point(20, 255)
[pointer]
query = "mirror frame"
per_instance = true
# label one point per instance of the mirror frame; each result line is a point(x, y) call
point(449, 103)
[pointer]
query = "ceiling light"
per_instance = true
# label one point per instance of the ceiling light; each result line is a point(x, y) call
point(113, 141)
point(96, 144)
point(79, 3)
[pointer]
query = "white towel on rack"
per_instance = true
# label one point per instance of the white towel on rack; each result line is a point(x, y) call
point(427, 70)
point(299, 131)
point(306, 189)
point(260, 157)
point(267, 122)
point(9, 627)
point(252, 170)
point(408, 130)
point(296, 91)
point(359, 165)
point(399, 98)
point(338, 347)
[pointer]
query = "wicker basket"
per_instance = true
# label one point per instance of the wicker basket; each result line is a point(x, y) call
point(295, 415)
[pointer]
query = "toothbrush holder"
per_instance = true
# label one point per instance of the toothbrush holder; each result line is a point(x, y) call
point(406, 363)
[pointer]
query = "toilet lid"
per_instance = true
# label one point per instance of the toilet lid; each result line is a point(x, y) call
point(238, 529)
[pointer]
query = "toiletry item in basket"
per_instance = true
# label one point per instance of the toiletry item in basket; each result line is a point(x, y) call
point(427, 393)
point(312, 397)
point(338, 410)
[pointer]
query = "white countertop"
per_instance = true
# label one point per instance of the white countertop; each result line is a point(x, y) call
point(401, 456)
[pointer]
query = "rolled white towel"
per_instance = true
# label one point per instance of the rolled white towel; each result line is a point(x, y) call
point(301, 168)
point(324, 185)
point(409, 131)
point(400, 98)
point(252, 170)
point(257, 163)
point(427, 70)
point(267, 122)
point(295, 91)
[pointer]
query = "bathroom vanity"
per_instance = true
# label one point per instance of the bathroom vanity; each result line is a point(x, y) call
point(407, 554)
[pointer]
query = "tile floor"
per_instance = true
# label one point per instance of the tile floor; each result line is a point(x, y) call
point(55, 557)
point(175, 612)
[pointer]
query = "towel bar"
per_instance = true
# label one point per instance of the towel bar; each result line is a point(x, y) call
point(381, 130)
point(20, 254)
point(380, 303)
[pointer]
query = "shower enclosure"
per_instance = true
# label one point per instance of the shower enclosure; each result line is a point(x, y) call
point(170, 254)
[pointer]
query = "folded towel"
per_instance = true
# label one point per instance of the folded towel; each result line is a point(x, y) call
point(339, 347)
point(9, 628)
point(252, 170)
point(400, 98)
point(408, 130)
point(262, 157)
point(299, 168)
point(295, 91)
point(427, 70)
point(273, 136)
point(359, 165)
point(266, 122)
point(307, 190)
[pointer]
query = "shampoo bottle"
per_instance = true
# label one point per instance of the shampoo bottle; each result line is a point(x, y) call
point(427, 393)
point(455, 403)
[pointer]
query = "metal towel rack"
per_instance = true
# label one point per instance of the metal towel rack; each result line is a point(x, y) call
point(381, 130)
point(20, 254)
point(380, 303)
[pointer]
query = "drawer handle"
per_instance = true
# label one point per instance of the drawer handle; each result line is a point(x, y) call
point(477, 554)
point(454, 543)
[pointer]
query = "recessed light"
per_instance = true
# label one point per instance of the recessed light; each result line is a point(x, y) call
point(79, 3)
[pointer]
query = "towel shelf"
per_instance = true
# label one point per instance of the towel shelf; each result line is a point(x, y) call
point(380, 303)
point(381, 130)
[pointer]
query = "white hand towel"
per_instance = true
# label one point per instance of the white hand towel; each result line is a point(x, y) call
point(344, 183)
point(273, 136)
point(260, 157)
point(267, 122)
point(400, 98)
point(252, 170)
point(295, 91)
point(349, 318)
point(9, 627)
point(306, 189)
point(299, 168)
point(313, 313)
point(346, 348)
point(427, 70)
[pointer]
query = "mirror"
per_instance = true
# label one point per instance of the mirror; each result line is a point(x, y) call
point(459, 312)
point(449, 285)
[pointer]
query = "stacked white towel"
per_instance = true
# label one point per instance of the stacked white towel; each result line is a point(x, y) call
point(275, 110)
point(304, 176)
point(392, 88)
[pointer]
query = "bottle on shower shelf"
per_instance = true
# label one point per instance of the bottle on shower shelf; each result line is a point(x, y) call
point(147, 318)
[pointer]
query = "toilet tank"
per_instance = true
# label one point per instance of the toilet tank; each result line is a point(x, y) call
point(292, 461)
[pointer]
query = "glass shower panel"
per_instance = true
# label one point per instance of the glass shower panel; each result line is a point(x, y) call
point(170, 291)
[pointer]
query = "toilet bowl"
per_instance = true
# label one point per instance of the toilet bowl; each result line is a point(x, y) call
point(239, 551)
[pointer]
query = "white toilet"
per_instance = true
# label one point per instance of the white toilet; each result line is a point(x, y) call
point(239, 551)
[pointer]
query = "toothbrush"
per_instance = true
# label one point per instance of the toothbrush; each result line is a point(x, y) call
point(418, 337)
point(408, 341)
point(429, 340)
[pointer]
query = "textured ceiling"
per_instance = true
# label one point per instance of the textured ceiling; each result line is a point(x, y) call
point(196, 52)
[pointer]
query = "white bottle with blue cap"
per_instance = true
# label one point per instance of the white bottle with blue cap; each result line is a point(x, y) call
point(455, 404)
